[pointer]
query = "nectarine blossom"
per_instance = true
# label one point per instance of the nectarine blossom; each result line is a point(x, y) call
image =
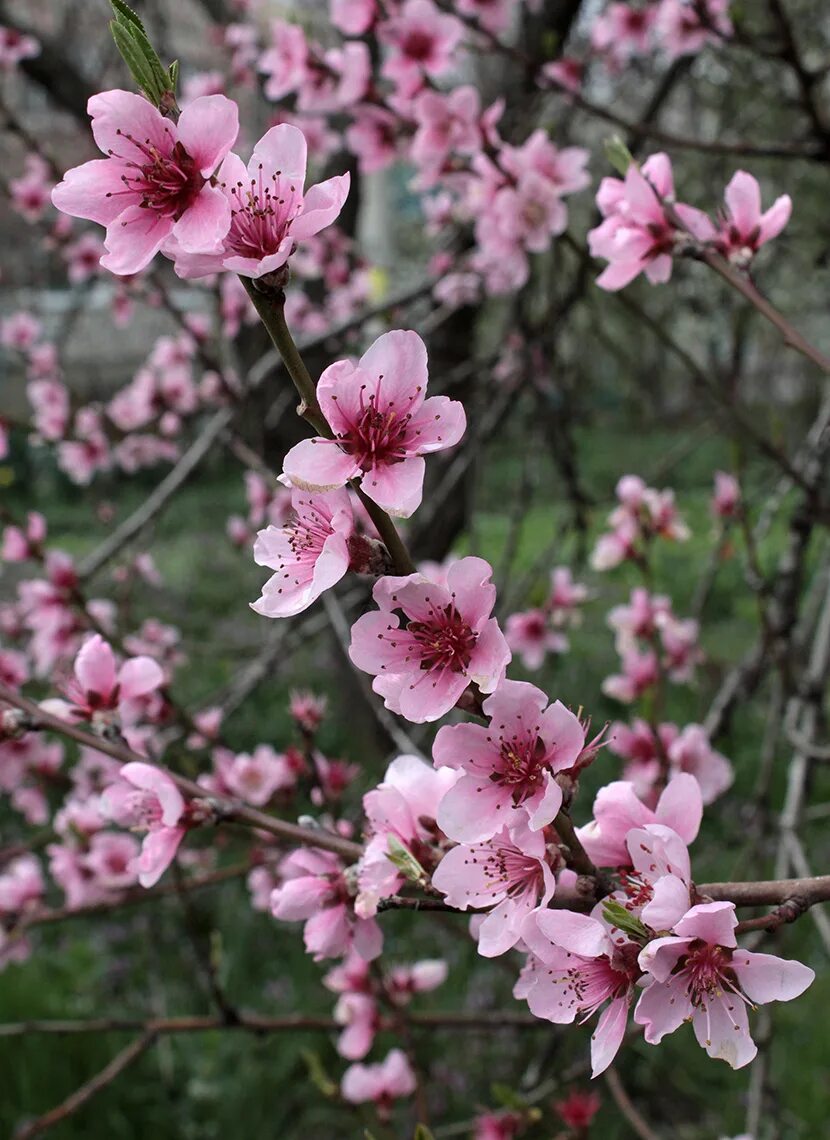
point(446, 641)
point(146, 799)
point(699, 973)
point(158, 180)
point(382, 424)
point(509, 767)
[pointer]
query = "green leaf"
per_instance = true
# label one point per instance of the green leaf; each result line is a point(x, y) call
point(136, 61)
point(318, 1075)
point(618, 154)
point(423, 1133)
point(173, 72)
point(125, 15)
point(624, 920)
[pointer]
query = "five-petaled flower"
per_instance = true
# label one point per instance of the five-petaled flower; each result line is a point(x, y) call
point(158, 179)
point(382, 424)
point(146, 799)
point(509, 767)
point(447, 640)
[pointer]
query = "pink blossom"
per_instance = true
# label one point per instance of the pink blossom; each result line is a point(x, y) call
point(497, 1126)
point(256, 777)
point(617, 810)
point(309, 554)
point(744, 228)
point(50, 402)
point(639, 673)
point(494, 15)
point(637, 621)
point(269, 209)
point(337, 81)
point(565, 596)
point(21, 544)
point(403, 982)
point(383, 426)
point(623, 31)
point(698, 973)
point(112, 860)
point(314, 889)
point(645, 752)
point(353, 17)
point(158, 178)
point(681, 652)
point(578, 1109)
point(373, 137)
point(400, 817)
point(507, 874)
point(657, 890)
point(146, 799)
point(99, 692)
point(20, 331)
point(682, 28)
point(382, 1083)
point(580, 969)
point(358, 1014)
point(508, 767)
point(83, 257)
point(447, 640)
point(566, 73)
point(530, 635)
point(307, 710)
point(15, 47)
point(726, 501)
point(447, 124)
point(285, 62)
point(423, 40)
point(30, 193)
point(21, 886)
point(692, 752)
point(636, 235)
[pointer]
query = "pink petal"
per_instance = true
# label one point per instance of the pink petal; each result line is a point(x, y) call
point(474, 595)
point(473, 811)
point(577, 933)
point(562, 731)
point(400, 357)
point(547, 808)
point(722, 1028)
point(763, 977)
point(713, 922)
point(743, 200)
point(95, 667)
point(439, 424)
point(93, 191)
point(669, 901)
point(133, 240)
point(680, 807)
point(662, 1009)
point(158, 851)
point(282, 148)
point(396, 487)
point(151, 779)
point(619, 274)
point(490, 657)
point(207, 129)
point(459, 745)
point(423, 699)
point(775, 218)
point(321, 206)
point(202, 227)
point(116, 114)
point(608, 1035)
point(138, 676)
point(319, 465)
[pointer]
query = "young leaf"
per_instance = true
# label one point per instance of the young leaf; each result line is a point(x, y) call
point(618, 916)
point(618, 154)
point(422, 1133)
point(125, 15)
point(318, 1075)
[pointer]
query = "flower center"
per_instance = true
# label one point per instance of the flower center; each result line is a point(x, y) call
point(522, 765)
point(445, 642)
point(417, 45)
point(261, 214)
point(167, 183)
point(377, 437)
point(708, 971)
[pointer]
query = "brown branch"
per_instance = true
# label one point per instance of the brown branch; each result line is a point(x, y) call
point(257, 1023)
point(227, 810)
point(89, 1089)
point(627, 1107)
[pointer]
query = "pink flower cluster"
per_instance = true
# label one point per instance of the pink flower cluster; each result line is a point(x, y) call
point(643, 514)
point(644, 227)
point(532, 634)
